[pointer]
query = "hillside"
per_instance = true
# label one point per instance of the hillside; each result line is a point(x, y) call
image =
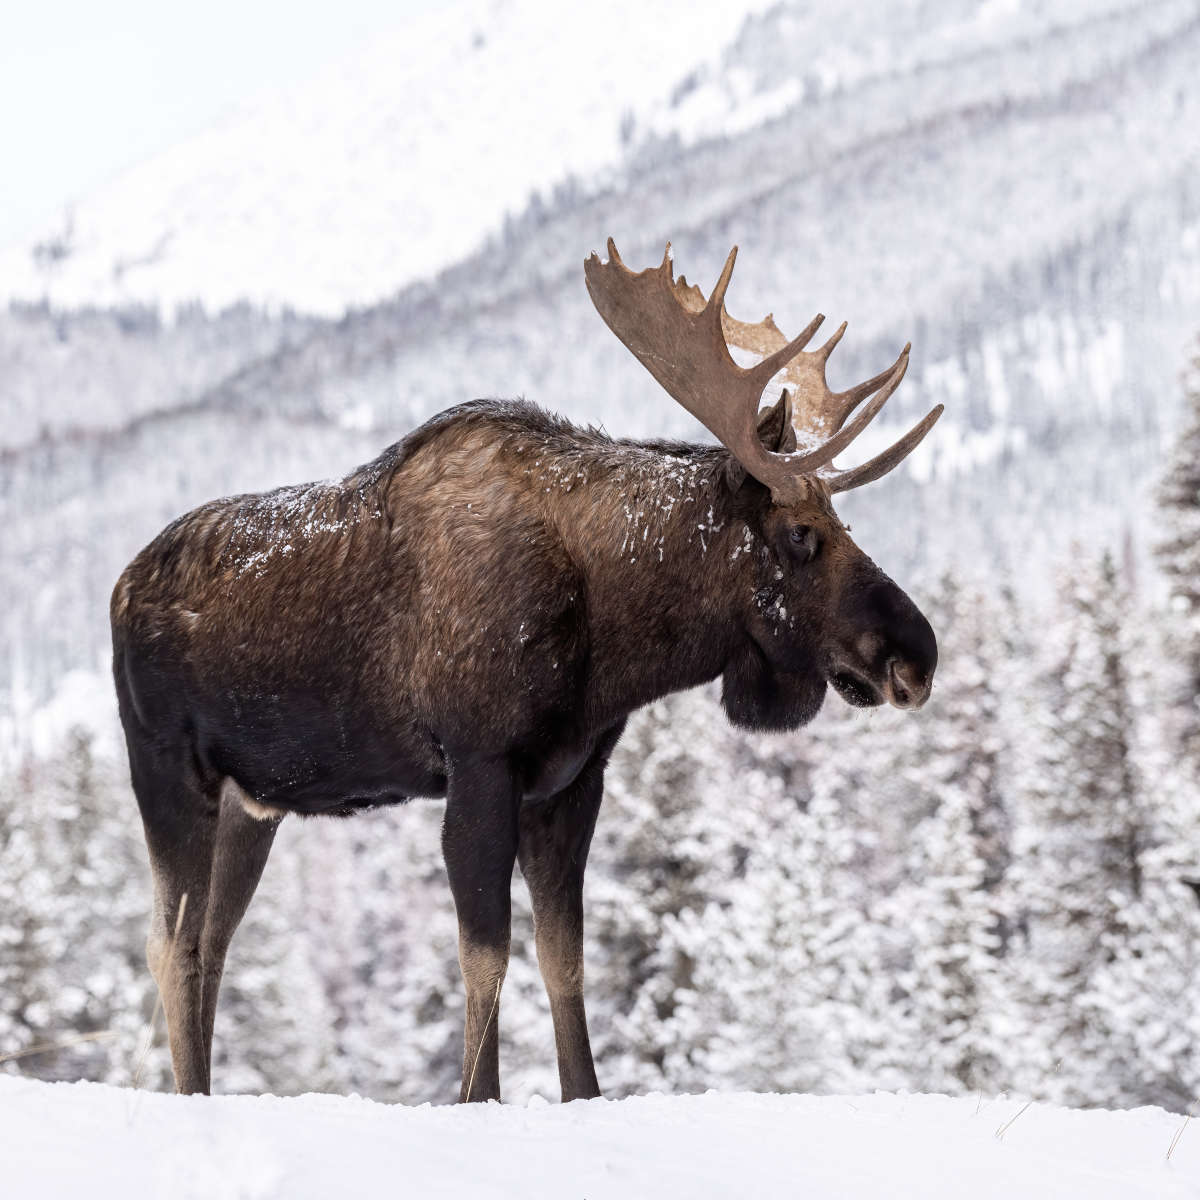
point(378, 171)
point(64, 1139)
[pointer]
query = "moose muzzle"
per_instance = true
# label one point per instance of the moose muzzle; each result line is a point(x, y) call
point(893, 654)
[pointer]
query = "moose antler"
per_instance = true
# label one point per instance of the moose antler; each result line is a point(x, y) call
point(683, 341)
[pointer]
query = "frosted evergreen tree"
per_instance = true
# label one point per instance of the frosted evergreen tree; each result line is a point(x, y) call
point(1085, 824)
point(793, 975)
point(403, 1034)
point(944, 770)
point(669, 841)
point(1145, 990)
point(384, 939)
point(74, 897)
point(949, 1004)
point(24, 907)
point(1179, 558)
point(860, 946)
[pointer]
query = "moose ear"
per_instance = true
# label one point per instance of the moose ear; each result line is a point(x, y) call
point(775, 429)
point(776, 433)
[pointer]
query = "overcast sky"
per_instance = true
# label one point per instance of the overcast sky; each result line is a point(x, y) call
point(88, 89)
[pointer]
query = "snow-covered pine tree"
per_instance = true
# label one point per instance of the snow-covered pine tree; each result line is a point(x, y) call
point(1085, 822)
point(1179, 558)
point(74, 894)
point(404, 1034)
point(948, 1008)
point(1145, 990)
point(669, 841)
point(944, 771)
point(792, 976)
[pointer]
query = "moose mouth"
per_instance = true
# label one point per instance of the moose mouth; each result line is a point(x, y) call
point(855, 690)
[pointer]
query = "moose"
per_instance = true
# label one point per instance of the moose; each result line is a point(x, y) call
point(474, 615)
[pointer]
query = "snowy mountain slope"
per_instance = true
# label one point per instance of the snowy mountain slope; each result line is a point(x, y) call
point(926, 147)
point(65, 374)
point(387, 166)
point(64, 1139)
point(923, 206)
point(966, 156)
point(400, 161)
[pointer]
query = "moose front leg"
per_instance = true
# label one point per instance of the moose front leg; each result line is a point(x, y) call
point(555, 838)
point(479, 842)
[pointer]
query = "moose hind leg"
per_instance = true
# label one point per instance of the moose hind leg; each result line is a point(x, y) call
point(479, 841)
point(555, 838)
point(180, 820)
point(243, 844)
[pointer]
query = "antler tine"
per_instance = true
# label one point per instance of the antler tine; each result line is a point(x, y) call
point(826, 350)
point(765, 338)
point(716, 302)
point(852, 397)
point(881, 464)
point(829, 449)
point(785, 354)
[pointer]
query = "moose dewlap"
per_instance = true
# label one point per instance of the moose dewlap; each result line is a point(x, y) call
point(474, 615)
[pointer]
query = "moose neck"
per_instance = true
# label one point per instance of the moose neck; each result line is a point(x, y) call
point(668, 570)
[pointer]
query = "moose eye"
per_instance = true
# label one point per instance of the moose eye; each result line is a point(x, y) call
point(804, 542)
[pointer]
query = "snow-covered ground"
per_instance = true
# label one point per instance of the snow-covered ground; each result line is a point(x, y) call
point(79, 1139)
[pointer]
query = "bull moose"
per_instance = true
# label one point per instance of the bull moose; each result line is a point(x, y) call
point(474, 615)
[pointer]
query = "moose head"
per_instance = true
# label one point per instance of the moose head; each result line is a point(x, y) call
point(821, 612)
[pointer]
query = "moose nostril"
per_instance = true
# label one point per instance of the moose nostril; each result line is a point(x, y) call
point(909, 687)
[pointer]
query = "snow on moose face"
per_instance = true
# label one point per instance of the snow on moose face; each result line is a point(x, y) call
point(824, 613)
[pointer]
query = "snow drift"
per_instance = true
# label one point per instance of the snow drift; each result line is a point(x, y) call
point(76, 1139)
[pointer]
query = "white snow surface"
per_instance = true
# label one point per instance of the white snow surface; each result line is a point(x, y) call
point(74, 1139)
point(389, 166)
